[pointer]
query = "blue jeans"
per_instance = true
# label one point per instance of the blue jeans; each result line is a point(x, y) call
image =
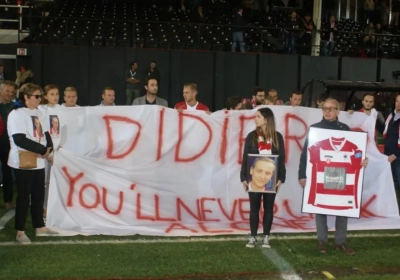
point(291, 43)
point(327, 48)
point(238, 37)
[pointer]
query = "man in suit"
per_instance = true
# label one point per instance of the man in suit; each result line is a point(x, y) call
point(151, 98)
point(328, 37)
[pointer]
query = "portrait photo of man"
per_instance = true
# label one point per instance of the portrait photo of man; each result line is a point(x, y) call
point(262, 173)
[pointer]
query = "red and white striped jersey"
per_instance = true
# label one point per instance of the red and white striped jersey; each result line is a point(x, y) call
point(336, 165)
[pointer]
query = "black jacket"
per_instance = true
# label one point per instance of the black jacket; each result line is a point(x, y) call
point(327, 29)
point(252, 148)
point(392, 137)
point(325, 124)
point(238, 23)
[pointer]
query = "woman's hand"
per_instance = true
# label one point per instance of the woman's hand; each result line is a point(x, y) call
point(245, 186)
point(278, 185)
point(46, 155)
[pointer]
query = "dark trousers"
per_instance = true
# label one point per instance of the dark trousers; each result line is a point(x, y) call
point(255, 205)
point(30, 188)
point(6, 171)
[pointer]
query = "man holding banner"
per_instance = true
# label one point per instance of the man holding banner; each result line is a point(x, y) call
point(331, 110)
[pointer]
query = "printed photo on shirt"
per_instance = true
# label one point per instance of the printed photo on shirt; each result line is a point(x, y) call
point(262, 173)
point(54, 125)
point(334, 172)
point(37, 128)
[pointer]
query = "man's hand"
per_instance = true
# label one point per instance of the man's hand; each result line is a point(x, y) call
point(208, 112)
point(391, 158)
point(302, 182)
point(350, 111)
point(245, 186)
point(364, 163)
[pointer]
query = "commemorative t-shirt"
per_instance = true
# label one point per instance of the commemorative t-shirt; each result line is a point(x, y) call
point(336, 165)
point(33, 124)
point(55, 121)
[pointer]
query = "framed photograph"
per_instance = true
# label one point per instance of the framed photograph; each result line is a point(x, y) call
point(334, 172)
point(262, 172)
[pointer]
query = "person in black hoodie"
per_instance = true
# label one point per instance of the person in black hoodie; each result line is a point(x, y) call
point(331, 110)
point(263, 140)
point(391, 133)
point(31, 145)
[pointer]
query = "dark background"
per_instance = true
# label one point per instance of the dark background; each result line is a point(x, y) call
point(218, 75)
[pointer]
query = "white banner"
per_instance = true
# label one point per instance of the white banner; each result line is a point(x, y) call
point(149, 170)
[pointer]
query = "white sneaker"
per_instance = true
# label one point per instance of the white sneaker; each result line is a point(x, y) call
point(46, 232)
point(23, 239)
point(265, 242)
point(252, 242)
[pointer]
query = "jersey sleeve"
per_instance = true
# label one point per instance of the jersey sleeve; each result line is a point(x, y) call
point(356, 159)
point(314, 154)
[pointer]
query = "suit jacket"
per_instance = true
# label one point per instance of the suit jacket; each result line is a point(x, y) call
point(142, 101)
point(328, 29)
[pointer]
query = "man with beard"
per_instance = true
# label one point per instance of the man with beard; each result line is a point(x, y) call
point(258, 97)
point(368, 103)
point(151, 98)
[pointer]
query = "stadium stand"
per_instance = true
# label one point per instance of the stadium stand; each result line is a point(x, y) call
point(128, 24)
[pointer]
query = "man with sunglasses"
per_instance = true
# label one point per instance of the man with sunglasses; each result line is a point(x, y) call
point(331, 110)
point(7, 89)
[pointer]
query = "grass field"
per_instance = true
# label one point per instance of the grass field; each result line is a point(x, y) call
point(138, 257)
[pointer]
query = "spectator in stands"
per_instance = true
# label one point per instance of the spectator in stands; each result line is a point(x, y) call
point(295, 98)
point(3, 75)
point(273, 95)
point(395, 12)
point(108, 96)
point(70, 97)
point(153, 72)
point(199, 16)
point(369, 7)
point(369, 30)
point(238, 24)
point(331, 110)
point(293, 25)
point(24, 76)
point(27, 155)
point(263, 140)
point(7, 89)
point(132, 83)
point(151, 98)
point(258, 97)
point(190, 103)
point(329, 36)
point(391, 133)
point(233, 103)
point(306, 40)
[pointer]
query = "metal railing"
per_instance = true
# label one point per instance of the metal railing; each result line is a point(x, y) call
point(260, 36)
point(19, 20)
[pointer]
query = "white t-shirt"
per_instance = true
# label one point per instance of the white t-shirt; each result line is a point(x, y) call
point(69, 107)
point(55, 122)
point(33, 124)
point(191, 108)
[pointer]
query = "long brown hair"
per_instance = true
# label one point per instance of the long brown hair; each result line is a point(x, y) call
point(46, 91)
point(271, 128)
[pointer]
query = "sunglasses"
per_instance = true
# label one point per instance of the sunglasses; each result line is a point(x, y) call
point(37, 96)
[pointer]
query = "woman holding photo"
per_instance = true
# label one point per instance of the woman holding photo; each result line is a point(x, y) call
point(267, 141)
